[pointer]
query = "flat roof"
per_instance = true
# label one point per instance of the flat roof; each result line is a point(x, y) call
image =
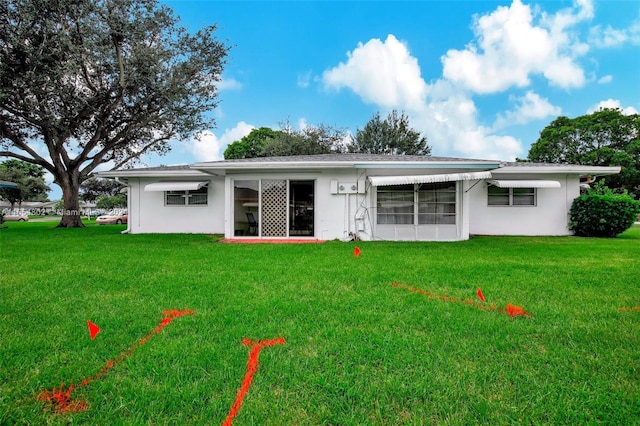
point(358, 161)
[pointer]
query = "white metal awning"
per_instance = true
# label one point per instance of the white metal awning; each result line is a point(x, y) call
point(174, 186)
point(403, 180)
point(525, 183)
point(5, 184)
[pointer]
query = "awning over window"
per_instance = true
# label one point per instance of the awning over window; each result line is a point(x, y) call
point(174, 186)
point(5, 184)
point(525, 183)
point(404, 180)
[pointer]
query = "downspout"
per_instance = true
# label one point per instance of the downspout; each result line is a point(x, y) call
point(126, 184)
point(346, 212)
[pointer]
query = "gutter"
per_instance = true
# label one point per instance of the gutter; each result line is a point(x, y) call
point(126, 184)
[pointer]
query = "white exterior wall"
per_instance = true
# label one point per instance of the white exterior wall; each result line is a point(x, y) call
point(415, 232)
point(149, 214)
point(550, 215)
point(336, 212)
point(333, 213)
point(352, 212)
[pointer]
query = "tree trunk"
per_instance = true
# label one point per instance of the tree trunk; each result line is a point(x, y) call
point(72, 215)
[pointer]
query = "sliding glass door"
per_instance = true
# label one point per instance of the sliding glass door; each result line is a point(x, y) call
point(301, 208)
point(274, 208)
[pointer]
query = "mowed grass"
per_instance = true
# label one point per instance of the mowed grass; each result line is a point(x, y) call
point(358, 350)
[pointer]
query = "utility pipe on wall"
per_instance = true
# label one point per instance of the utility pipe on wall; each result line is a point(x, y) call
point(126, 184)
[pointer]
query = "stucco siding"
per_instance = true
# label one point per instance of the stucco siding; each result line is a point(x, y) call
point(550, 215)
point(149, 214)
point(334, 213)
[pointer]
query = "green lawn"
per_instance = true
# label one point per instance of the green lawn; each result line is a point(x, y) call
point(358, 350)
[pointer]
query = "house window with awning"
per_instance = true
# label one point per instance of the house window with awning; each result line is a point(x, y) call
point(421, 203)
point(194, 197)
point(181, 193)
point(511, 196)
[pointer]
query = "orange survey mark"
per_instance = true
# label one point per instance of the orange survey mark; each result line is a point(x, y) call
point(634, 308)
point(252, 368)
point(511, 310)
point(93, 329)
point(60, 399)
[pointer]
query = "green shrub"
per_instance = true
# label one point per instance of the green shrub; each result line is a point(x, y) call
point(602, 213)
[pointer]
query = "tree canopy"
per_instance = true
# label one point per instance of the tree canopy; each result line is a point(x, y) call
point(265, 142)
point(94, 188)
point(89, 82)
point(28, 177)
point(311, 140)
point(605, 138)
point(393, 135)
point(250, 146)
point(110, 202)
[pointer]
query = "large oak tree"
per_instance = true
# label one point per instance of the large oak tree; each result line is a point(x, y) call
point(86, 82)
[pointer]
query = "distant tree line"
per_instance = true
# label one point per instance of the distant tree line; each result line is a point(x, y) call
point(106, 193)
point(392, 135)
point(30, 181)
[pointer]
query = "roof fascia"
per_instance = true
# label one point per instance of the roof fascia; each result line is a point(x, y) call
point(298, 165)
point(427, 165)
point(570, 169)
point(151, 173)
point(280, 165)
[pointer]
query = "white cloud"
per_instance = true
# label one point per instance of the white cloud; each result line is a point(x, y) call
point(304, 79)
point(380, 72)
point(452, 129)
point(605, 79)
point(612, 104)
point(447, 116)
point(302, 123)
point(229, 84)
point(607, 37)
point(209, 147)
point(511, 47)
point(613, 37)
point(528, 108)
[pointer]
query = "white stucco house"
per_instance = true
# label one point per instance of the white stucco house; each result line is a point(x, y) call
point(345, 196)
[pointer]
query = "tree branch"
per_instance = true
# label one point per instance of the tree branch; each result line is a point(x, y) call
point(139, 153)
point(19, 157)
point(19, 143)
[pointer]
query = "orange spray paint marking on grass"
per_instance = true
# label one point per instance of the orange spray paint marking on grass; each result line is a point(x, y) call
point(60, 399)
point(252, 368)
point(510, 310)
point(635, 308)
point(93, 329)
point(514, 311)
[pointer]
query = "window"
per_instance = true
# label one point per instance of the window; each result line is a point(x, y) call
point(197, 197)
point(437, 204)
point(422, 204)
point(511, 196)
point(395, 205)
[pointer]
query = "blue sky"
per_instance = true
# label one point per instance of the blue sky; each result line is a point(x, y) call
point(480, 79)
